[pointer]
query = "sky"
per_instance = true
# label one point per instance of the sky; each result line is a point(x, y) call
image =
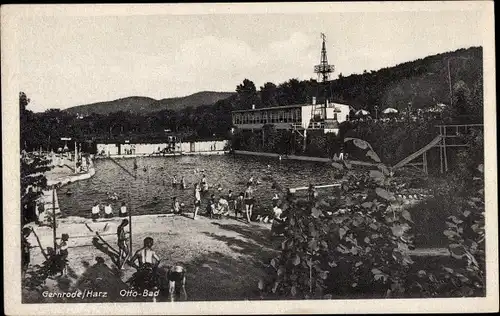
point(72, 60)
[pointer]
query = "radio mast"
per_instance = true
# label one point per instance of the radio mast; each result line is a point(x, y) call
point(323, 69)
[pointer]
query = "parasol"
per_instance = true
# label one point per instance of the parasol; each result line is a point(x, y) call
point(389, 110)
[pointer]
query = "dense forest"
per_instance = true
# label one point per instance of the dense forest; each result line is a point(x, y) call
point(409, 86)
point(419, 84)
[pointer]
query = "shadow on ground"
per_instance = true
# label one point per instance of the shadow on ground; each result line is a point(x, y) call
point(216, 276)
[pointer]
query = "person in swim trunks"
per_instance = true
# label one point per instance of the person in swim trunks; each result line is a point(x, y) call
point(147, 259)
point(176, 276)
point(25, 247)
point(146, 254)
point(108, 211)
point(275, 199)
point(96, 210)
point(122, 242)
point(239, 205)
point(203, 183)
point(212, 207)
point(231, 200)
point(63, 253)
point(197, 200)
point(249, 201)
point(123, 210)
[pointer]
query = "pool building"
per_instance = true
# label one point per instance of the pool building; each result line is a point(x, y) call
point(301, 117)
point(168, 147)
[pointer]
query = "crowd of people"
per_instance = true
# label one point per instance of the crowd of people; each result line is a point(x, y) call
point(234, 205)
point(218, 205)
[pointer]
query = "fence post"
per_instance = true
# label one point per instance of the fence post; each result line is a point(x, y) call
point(54, 223)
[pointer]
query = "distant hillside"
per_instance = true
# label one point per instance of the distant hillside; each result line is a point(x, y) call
point(420, 83)
point(144, 105)
point(193, 100)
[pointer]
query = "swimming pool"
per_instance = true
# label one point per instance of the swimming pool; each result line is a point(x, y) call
point(152, 192)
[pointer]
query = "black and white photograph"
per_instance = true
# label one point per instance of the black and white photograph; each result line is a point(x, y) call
point(249, 158)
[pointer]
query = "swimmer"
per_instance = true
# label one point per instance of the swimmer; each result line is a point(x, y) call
point(219, 188)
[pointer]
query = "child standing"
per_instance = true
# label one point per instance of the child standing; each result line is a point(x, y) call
point(25, 247)
point(239, 205)
point(63, 254)
point(197, 200)
point(249, 202)
point(231, 201)
point(204, 184)
point(122, 242)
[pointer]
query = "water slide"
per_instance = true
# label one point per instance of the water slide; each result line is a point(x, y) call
point(419, 152)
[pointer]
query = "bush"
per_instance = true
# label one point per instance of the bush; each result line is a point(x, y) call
point(356, 243)
point(464, 276)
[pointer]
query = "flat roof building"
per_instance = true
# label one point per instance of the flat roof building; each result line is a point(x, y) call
point(296, 116)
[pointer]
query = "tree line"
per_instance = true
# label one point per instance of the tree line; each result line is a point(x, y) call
point(418, 84)
point(412, 85)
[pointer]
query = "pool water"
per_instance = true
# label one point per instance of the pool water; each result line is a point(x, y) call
point(152, 191)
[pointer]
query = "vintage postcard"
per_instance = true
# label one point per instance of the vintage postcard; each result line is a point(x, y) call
point(249, 158)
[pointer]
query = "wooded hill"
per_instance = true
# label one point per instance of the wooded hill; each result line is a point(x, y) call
point(420, 83)
point(145, 105)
